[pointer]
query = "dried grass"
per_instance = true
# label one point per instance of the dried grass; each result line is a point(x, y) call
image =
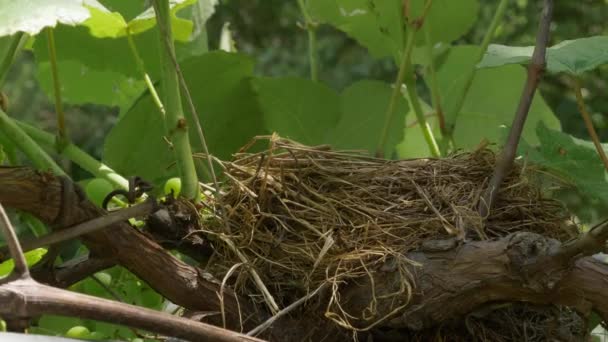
point(303, 216)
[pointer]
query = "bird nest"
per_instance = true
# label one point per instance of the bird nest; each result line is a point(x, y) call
point(296, 218)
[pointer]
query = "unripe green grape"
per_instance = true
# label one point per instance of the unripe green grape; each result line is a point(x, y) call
point(78, 331)
point(97, 190)
point(104, 278)
point(174, 184)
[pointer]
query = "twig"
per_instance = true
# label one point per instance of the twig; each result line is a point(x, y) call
point(14, 247)
point(260, 328)
point(588, 123)
point(593, 241)
point(27, 298)
point(89, 226)
point(535, 71)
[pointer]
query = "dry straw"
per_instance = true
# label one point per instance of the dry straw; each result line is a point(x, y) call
point(303, 216)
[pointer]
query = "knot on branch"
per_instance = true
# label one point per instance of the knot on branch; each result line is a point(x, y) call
point(531, 257)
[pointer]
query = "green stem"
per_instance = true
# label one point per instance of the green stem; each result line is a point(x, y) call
point(33, 151)
point(433, 84)
point(396, 93)
point(470, 75)
point(142, 70)
point(410, 84)
point(311, 27)
point(175, 123)
point(61, 129)
point(75, 154)
point(16, 43)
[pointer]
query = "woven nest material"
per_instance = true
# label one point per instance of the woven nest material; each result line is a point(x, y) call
point(297, 217)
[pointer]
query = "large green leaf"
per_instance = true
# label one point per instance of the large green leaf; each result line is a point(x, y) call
point(448, 19)
point(31, 16)
point(414, 144)
point(375, 24)
point(491, 101)
point(102, 87)
point(100, 70)
point(298, 108)
point(575, 160)
point(570, 56)
point(363, 107)
point(219, 83)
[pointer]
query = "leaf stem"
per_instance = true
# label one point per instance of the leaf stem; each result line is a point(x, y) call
point(433, 84)
point(33, 151)
point(142, 70)
point(311, 28)
point(78, 156)
point(404, 67)
point(452, 114)
point(61, 128)
point(15, 46)
point(175, 123)
point(588, 122)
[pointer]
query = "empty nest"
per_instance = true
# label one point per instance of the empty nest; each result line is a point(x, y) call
point(297, 217)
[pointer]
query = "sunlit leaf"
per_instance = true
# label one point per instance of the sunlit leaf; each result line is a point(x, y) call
point(570, 56)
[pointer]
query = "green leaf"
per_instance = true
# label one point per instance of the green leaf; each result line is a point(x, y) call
point(575, 160)
point(363, 110)
point(182, 28)
point(448, 19)
point(31, 257)
point(570, 56)
point(491, 102)
point(229, 114)
point(102, 87)
point(298, 108)
point(100, 70)
point(58, 324)
point(375, 24)
point(31, 16)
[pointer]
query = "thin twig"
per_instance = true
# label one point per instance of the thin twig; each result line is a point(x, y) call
point(89, 226)
point(588, 123)
point(535, 71)
point(593, 241)
point(14, 247)
point(260, 328)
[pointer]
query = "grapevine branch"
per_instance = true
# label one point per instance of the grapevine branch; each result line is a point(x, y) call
point(23, 297)
point(535, 71)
